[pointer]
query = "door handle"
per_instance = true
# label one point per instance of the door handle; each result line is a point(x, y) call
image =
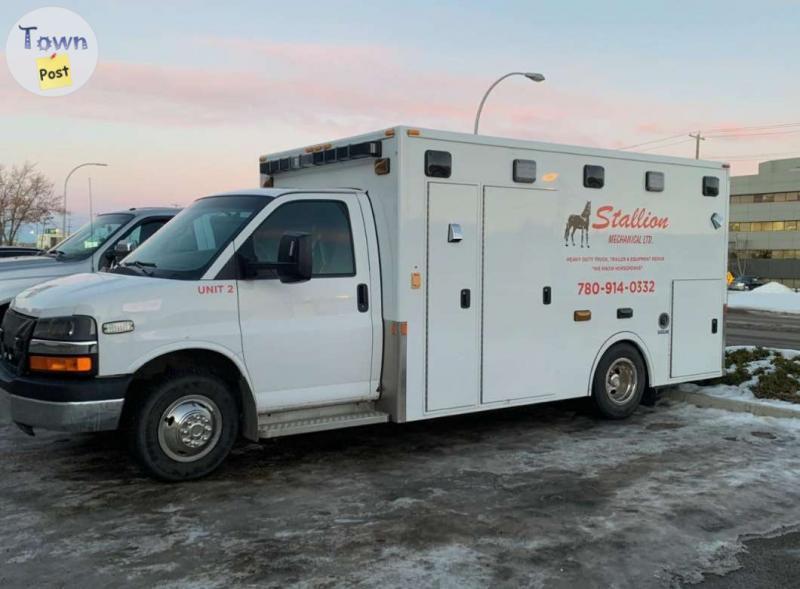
point(713, 326)
point(362, 293)
point(465, 296)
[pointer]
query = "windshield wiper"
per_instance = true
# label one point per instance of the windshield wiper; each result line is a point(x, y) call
point(141, 265)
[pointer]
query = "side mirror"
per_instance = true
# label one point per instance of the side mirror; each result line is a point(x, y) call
point(120, 250)
point(294, 257)
point(293, 264)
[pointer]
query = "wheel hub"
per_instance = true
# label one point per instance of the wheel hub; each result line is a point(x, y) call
point(189, 428)
point(622, 379)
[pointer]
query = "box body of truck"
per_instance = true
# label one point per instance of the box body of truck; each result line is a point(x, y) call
point(509, 267)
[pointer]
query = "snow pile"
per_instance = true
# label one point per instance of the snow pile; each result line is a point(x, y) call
point(743, 391)
point(772, 288)
point(773, 296)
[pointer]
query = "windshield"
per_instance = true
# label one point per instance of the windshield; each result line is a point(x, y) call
point(187, 245)
point(85, 241)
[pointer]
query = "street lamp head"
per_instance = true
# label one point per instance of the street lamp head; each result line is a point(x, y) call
point(533, 76)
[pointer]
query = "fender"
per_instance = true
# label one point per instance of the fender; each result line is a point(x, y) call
point(618, 337)
point(250, 425)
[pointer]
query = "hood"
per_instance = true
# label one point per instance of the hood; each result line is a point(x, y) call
point(17, 274)
point(30, 265)
point(81, 294)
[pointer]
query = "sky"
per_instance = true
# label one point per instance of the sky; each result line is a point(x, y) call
point(187, 95)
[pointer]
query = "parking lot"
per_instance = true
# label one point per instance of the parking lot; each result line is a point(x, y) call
point(542, 496)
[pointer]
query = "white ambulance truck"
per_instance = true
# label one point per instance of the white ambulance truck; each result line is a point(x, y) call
point(397, 276)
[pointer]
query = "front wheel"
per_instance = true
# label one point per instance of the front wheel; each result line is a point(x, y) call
point(619, 382)
point(185, 427)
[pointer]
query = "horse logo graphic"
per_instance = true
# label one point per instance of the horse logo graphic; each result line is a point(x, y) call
point(581, 222)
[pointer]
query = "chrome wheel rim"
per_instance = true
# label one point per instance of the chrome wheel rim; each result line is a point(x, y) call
point(190, 428)
point(621, 381)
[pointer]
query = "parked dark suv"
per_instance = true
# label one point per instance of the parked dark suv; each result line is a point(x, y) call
point(746, 283)
point(12, 251)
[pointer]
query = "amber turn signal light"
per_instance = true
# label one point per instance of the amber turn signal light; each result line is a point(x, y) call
point(583, 315)
point(61, 363)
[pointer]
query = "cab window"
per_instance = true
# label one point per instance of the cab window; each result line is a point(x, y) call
point(328, 224)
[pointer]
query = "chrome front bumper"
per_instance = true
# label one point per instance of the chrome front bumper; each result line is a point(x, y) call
point(79, 416)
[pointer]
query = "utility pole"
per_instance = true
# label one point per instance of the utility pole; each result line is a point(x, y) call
point(698, 138)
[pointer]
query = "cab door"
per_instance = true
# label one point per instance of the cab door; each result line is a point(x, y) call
point(309, 343)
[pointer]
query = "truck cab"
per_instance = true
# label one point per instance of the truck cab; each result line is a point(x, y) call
point(247, 304)
point(94, 247)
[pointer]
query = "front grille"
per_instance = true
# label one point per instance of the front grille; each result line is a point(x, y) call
point(15, 333)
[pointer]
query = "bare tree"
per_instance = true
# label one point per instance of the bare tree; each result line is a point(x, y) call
point(26, 196)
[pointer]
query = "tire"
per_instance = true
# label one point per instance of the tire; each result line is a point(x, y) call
point(619, 382)
point(185, 426)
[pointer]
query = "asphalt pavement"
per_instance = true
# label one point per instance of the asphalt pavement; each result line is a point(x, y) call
point(543, 496)
point(760, 328)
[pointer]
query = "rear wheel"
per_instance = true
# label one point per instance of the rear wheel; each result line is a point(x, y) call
point(185, 427)
point(619, 382)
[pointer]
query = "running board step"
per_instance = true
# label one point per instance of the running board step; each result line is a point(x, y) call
point(276, 425)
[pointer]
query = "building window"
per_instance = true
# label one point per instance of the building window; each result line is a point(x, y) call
point(735, 227)
point(790, 225)
point(777, 226)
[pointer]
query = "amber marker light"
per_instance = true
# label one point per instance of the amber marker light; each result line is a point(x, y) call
point(582, 315)
point(61, 363)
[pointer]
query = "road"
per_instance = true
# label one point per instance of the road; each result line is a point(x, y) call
point(762, 329)
point(544, 496)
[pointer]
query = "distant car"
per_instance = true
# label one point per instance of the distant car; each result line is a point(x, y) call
point(746, 283)
point(13, 251)
point(96, 246)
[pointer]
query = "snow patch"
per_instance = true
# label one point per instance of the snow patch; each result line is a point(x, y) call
point(743, 391)
point(773, 297)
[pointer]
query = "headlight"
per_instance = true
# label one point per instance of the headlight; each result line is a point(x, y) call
point(64, 345)
point(77, 328)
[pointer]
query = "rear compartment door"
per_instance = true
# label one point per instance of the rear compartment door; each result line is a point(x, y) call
point(696, 327)
point(453, 309)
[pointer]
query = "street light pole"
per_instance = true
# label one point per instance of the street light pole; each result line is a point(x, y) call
point(64, 217)
point(530, 75)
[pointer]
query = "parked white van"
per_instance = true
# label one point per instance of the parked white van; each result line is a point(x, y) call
point(402, 275)
point(94, 247)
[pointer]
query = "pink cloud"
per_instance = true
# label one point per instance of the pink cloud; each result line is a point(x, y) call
point(270, 95)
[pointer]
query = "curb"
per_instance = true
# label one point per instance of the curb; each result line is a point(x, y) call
point(707, 401)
